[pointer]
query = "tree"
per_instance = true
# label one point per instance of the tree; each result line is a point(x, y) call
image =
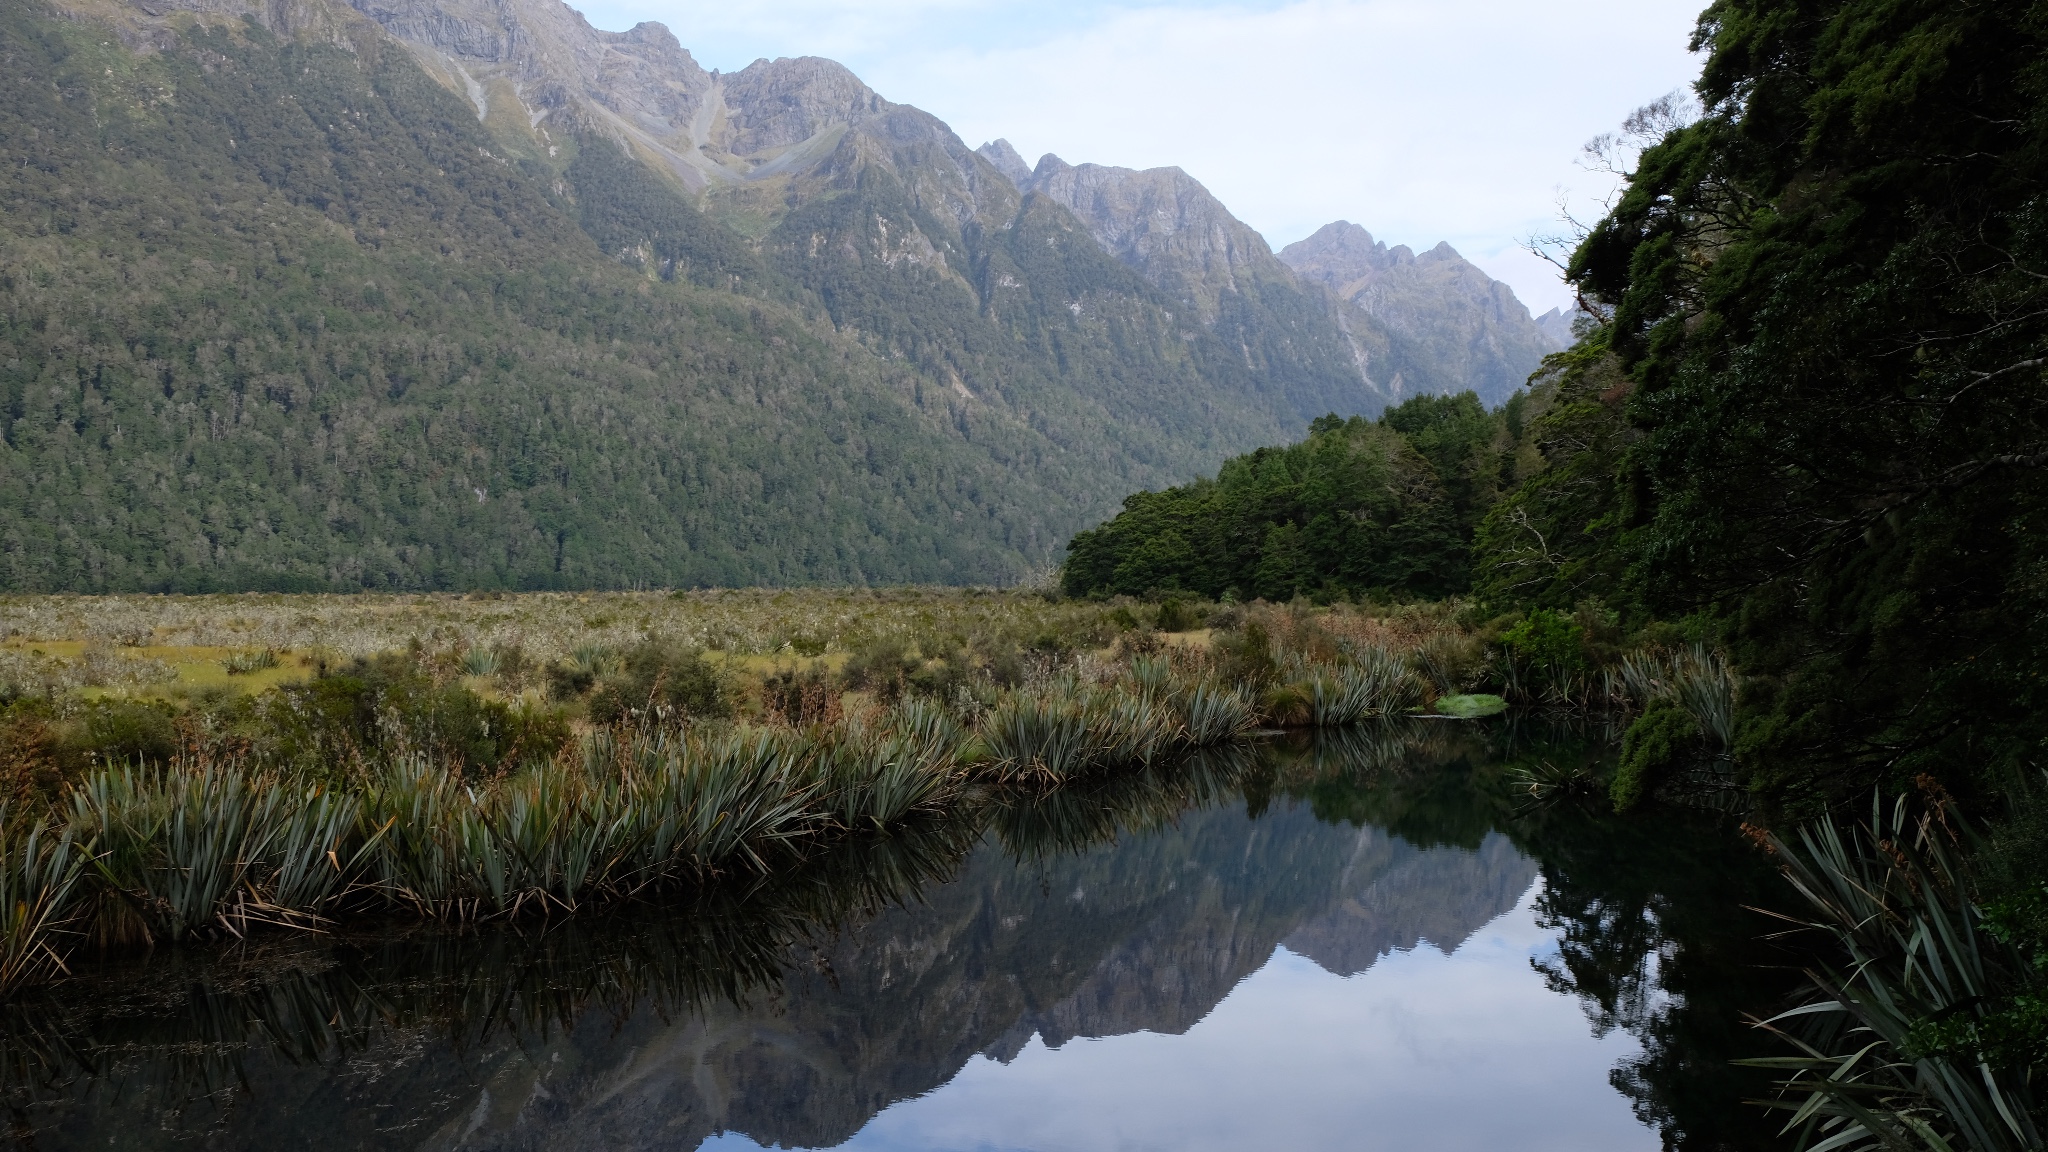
point(1359, 506)
point(1830, 296)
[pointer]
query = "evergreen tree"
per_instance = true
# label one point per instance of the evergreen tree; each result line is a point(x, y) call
point(1358, 507)
point(1829, 295)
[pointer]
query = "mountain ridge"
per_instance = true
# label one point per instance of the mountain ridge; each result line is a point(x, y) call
point(477, 295)
point(1465, 319)
point(1389, 315)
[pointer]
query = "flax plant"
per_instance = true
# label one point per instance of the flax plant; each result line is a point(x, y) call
point(39, 871)
point(1893, 895)
point(192, 850)
point(1698, 678)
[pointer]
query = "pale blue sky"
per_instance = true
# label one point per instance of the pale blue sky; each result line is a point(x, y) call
point(1422, 120)
point(1423, 1051)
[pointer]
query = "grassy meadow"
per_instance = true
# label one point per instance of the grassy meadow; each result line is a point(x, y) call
point(176, 645)
point(199, 767)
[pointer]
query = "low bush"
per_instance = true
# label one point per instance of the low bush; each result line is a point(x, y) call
point(661, 683)
point(1655, 743)
point(1177, 615)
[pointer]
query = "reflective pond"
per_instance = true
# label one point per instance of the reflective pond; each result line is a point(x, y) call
point(1358, 942)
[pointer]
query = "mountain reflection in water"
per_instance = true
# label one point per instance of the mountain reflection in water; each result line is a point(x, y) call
point(1325, 946)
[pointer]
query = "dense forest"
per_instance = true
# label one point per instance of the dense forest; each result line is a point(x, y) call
point(1808, 425)
point(1359, 507)
point(279, 313)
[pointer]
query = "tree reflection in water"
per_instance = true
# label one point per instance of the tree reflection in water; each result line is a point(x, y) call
point(797, 1009)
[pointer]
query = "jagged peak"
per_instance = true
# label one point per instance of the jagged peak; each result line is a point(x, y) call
point(1006, 159)
point(650, 32)
point(1340, 252)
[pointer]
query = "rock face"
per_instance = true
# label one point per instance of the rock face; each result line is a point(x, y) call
point(1461, 319)
point(1163, 223)
point(1006, 159)
point(763, 141)
point(1557, 324)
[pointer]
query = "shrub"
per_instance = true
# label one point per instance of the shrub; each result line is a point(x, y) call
point(663, 683)
point(32, 756)
point(801, 697)
point(1177, 615)
point(881, 667)
point(1246, 656)
point(387, 706)
point(1660, 738)
point(1452, 663)
point(127, 732)
point(1547, 639)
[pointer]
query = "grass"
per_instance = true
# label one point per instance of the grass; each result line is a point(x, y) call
point(546, 626)
point(215, 844)
point(213, 766)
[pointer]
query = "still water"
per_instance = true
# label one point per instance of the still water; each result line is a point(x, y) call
point(1352, 944)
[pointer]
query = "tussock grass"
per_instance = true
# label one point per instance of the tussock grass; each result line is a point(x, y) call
point(209, 848)
point(1098, 719)
point(39, 870)
point(243, 663)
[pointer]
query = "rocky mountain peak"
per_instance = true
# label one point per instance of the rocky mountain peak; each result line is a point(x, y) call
point(1342, 253)
point(1160, 221)
point(533, 68)
point(1006, 160)
point(1557, 324)
point(772, 105)
point(1467, 320)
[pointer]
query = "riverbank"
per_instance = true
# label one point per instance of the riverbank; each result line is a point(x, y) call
point(797, 1007)
point(455, 758)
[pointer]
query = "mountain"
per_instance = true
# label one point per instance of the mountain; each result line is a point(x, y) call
point(1463, 321)
point(1169, 228)
point(1557, 324)
point(799, 155)
point(280, 310)
point(469, 294)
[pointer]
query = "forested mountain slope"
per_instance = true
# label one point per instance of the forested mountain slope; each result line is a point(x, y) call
point(280, 313)
point(471, 294)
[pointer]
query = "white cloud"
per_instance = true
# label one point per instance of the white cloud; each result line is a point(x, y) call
point(1422, 120)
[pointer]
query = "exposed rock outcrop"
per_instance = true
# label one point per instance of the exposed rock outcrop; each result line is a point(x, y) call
point(1460, 319)
point(1557, 324)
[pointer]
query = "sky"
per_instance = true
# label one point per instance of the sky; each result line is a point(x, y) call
point(1421, 120)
